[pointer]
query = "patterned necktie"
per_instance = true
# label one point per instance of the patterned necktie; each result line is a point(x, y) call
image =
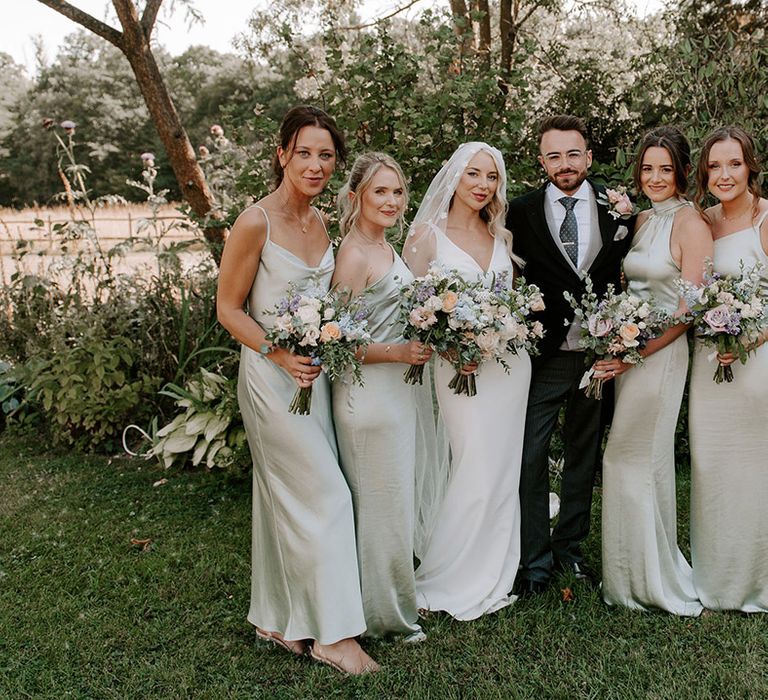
point(569, 230)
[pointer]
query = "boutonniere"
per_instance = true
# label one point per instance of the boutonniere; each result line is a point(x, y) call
point(619, 204)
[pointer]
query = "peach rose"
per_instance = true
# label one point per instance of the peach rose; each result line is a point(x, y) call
point(629, 333)
point(330, 331)
point(449, 300)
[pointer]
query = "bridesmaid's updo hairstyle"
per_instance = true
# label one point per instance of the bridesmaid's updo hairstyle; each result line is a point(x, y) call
point(362, 173)
point(734, 133)
point(294, 121)
point(674, 142)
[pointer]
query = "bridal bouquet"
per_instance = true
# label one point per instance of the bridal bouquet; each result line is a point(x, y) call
point(324, 325)
point(618, 325)
point(727, 313)
point(425, 307)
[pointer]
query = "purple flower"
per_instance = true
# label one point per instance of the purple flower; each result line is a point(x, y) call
point(148, 159)
point(69, 126)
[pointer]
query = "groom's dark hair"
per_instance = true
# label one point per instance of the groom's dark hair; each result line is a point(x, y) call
point(563, 122)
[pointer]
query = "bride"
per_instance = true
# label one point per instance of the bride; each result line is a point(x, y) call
point(470, 555)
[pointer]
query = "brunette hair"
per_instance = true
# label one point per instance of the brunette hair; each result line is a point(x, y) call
point(563, 122)
point(363, 171)
point(674, 142)
point(735, 133)
point(296, 119)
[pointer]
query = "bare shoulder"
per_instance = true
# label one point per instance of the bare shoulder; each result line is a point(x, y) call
point(251, 222)
point(351, 256)
point(690, 223)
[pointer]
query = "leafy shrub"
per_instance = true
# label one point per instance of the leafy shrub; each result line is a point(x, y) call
point(210, 429)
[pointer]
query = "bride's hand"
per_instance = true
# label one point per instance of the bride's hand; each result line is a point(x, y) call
point(452, 356)
point(301, 369)
point(608, 369)
point(470, 368)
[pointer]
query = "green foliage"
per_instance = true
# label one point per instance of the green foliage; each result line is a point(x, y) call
point(89, 391)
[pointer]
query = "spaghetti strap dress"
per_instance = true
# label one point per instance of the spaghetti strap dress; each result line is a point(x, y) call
point(304, 575)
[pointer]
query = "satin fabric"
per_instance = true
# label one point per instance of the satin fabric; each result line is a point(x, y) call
point(729, 454)
point(473, 551)
point(304, 580)
point(643, 566)
point(379, 428)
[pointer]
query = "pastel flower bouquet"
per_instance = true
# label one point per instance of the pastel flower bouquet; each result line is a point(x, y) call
point(425, 307)
point(616, 325)
point(727, 313)
point(469, 322)
point(327, 326)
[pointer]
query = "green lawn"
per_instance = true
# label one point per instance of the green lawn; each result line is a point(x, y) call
point(86, 614)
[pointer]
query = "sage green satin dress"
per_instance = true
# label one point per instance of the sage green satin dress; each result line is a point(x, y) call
point(729, 459)
point(378, 431)
point(304, 581)
point(642, 564)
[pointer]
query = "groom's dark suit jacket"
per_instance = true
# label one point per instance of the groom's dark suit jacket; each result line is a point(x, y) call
point(546, 267)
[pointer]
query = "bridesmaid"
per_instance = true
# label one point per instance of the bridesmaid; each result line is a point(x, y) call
point(642, 565)
point(471, 554)
point(379, 426)
point(304, 582)
point(729, 442)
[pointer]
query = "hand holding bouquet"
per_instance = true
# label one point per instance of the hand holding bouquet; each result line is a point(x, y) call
point(616, 326)
point(425, 306)
point(727, 313)
point(325, 326)
point(468, 322)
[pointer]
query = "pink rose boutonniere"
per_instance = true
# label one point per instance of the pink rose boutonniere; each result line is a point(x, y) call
point(619, 204)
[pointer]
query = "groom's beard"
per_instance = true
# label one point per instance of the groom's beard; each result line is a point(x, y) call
point(568, 180)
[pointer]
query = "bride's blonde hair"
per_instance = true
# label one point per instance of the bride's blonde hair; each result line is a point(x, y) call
point(363, 171)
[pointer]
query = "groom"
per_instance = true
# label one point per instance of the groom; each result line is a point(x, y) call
point(563, 233)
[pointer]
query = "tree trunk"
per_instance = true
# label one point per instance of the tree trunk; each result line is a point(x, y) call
point(506, 27)
point(462, 24)
point(133, 41)
point(484, 47)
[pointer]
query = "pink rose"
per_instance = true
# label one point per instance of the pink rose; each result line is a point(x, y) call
point(629, 333)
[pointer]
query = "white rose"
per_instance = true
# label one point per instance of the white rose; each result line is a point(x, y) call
point(311, 336)
point(309, 315)
point(283, 323)
point(329, 313)
point(488, 341)
point(434, 304)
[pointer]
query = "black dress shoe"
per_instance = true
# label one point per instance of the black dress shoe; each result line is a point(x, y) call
point(525, 588)
point(578, 570)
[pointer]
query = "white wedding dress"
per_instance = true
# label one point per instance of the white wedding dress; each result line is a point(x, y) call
point(471, 554)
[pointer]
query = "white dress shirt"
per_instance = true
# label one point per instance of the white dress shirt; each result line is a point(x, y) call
point(589, 242)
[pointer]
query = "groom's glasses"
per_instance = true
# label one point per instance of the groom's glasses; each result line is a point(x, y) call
point(555, 160)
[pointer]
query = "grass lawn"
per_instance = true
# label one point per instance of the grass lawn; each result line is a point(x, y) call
point(86, 614)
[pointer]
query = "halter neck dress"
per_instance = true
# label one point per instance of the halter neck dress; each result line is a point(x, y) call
point(642, 564)
point(729, 458)
point(304, 579)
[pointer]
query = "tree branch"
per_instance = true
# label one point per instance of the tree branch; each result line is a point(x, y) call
point(150, 15)
point(380, 19)
point(85, 20)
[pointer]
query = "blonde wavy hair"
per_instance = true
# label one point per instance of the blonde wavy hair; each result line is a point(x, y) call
point(363, 171)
